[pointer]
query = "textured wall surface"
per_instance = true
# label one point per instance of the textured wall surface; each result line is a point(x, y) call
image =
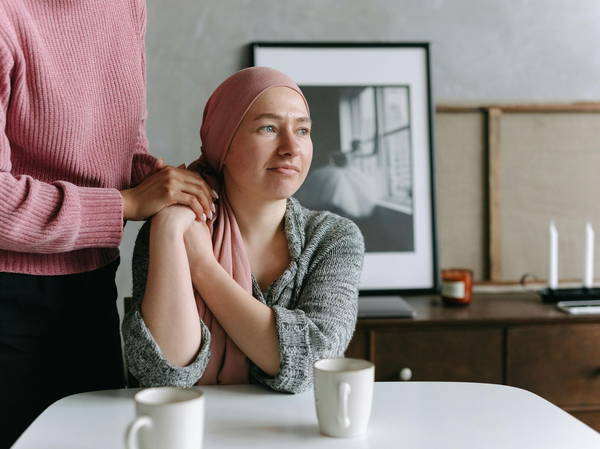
point(484, 50)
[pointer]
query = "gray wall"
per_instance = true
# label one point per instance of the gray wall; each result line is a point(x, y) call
point(482, 50)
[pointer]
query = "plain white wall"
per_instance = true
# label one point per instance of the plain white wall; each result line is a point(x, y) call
point(482, 50)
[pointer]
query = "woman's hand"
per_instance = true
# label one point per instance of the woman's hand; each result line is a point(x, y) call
point(165, 187)
point(173, 220)
point(198, 245)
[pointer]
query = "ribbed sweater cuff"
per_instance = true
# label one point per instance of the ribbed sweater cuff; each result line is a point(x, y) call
point(101, 218)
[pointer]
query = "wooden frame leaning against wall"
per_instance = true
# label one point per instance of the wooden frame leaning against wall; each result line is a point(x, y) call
point(539, 162)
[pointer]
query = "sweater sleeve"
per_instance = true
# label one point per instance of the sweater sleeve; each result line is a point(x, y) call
point(142, 163)
point(144, 357)
point(44, 218)
point(322, 323)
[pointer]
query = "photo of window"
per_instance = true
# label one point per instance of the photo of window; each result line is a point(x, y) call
point(362, 161)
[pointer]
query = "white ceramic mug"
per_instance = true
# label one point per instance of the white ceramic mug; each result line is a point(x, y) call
point(167, 418)
point(343, 396)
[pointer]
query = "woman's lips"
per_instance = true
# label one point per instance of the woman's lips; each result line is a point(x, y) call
point(289, 171)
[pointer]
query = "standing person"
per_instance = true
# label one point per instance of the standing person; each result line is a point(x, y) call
point(266, 287)
point(73, 167)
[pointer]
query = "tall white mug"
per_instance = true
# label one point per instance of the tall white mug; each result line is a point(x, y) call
point(343, 396)
point(167, 418)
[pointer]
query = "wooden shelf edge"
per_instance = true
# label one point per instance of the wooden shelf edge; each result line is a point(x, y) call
point(580, 408)
point(591, 106)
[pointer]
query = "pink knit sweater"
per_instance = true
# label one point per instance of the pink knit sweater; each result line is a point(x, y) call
point(72, 134)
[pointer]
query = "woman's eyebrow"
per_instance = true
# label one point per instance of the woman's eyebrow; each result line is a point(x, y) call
point(269, 115)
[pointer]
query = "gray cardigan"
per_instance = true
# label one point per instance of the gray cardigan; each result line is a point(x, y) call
point(315, 304)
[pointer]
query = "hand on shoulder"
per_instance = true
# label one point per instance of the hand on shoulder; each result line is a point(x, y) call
point(168, 186)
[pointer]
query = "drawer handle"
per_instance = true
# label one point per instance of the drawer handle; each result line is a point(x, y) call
point(405, 374)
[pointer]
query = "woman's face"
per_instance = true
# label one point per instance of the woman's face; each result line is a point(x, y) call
point(271, 151)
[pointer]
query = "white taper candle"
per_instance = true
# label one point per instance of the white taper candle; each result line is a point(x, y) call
point(553, 268)
point(588, 277)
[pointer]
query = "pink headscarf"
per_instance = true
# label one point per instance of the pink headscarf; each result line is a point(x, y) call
point(223, 114)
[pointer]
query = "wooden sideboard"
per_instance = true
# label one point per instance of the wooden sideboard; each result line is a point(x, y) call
point(510, 339)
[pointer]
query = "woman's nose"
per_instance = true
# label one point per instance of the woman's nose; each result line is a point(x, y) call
point(288, 143)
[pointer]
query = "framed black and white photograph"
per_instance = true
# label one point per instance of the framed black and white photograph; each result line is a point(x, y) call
point(373, 152)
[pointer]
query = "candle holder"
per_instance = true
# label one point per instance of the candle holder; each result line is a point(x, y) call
point(554, 295)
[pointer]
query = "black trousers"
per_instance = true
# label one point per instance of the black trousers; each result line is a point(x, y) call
point(59, 335)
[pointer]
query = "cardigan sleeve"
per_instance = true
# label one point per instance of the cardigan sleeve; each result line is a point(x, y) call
point(322, 323)
point(143, 356)
point(45, 218)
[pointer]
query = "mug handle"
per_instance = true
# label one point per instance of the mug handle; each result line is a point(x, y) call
point(343, 395)
point(131, 440)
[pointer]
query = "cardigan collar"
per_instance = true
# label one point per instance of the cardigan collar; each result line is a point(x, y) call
point(295, 222)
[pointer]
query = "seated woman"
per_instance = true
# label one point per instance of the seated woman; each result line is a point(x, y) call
point(264, 287)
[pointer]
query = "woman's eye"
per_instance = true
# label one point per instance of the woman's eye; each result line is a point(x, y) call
point(268, 128)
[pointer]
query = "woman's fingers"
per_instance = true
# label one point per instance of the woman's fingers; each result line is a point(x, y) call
point(192, 179)
point(168, 186)
point(178, 189)
point(204, 199)
point(204, 189)
point(192, 202)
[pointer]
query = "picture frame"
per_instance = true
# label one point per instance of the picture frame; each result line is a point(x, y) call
point(373, 159)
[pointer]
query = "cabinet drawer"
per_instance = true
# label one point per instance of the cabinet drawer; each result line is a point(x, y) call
point(358, 347)
point(560, 362)
point(440, 354)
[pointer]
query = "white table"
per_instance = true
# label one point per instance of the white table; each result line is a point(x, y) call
point(405, 415)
